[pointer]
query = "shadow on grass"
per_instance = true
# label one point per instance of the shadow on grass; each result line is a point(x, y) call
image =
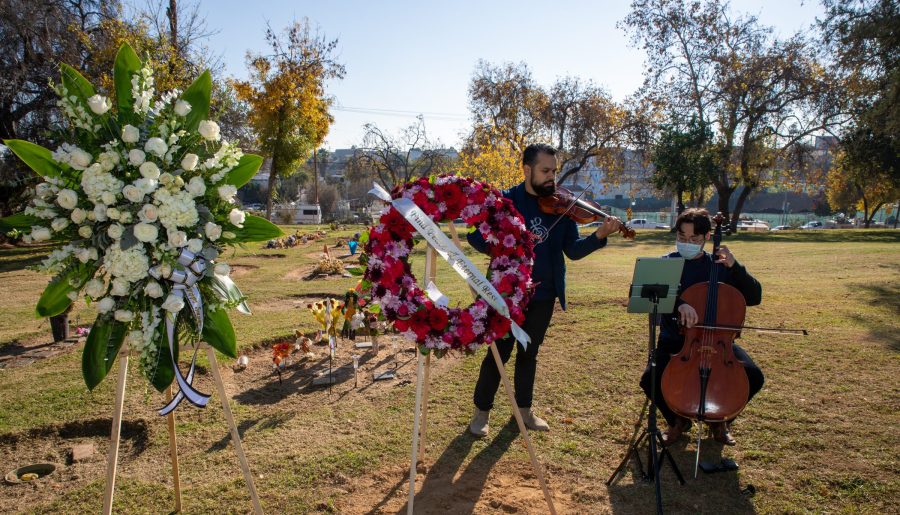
point(797, 236)
point(265, 423)
point(18, 258)
point(885, 296)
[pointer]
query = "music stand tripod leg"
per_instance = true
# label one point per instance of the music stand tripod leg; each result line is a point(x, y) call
point(633, 445)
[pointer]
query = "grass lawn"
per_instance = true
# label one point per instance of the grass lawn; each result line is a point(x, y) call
point(820, 437)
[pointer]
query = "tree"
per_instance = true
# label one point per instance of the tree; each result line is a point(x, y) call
point(866, 174)
point(683, 161)
point(286, 94)
point(759, 95)
point(497, 165)
point(395, 160)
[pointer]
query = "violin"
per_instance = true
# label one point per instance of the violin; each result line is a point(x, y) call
point(564, 202)
point(705, 381)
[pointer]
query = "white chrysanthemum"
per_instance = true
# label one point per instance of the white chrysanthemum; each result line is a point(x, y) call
point(67, 199)
point(131, 264)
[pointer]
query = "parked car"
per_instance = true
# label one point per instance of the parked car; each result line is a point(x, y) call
point(753, 226)
point(813, 224)
point(782, 228)
point(643, 223)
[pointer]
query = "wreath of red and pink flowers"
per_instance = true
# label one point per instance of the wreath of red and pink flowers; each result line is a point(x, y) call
point(408, 307)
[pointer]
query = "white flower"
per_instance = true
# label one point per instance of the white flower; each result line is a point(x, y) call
point(120, 287)
point(182, 108)
point(228, 235)
point(189, 162)
point(195, 245)
point(100, 212)
point(106, 304)
point(149, 170)
point(153, 289)
point(59, 224)
point(166, 179)
point(113, 213)
point(115, 230)
point(145, 232)
point(99, 104)
point(213, 231)
point(95, 288)
point(222, 269)
point(84, 255)
point(78, 215)
point(135, 339)
point(227, 192)
point(148, 213)
point(177, 238)
point(85, 231)
point(67, 199)
point(80, 159)
point(72, 295)
point(173, 303)
point(237, 217)
point(148, 186)
point(156, 146)
point(130, 134)
point(42, 190)
point(40, 233)
point(209, 130)
point(123, 315)
point(108, 160)
point(108, 198)
point(196, 187)
point(136, 156)
point(131, 264)
point(133, 193)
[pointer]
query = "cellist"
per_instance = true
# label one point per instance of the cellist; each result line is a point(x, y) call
point(692, 230)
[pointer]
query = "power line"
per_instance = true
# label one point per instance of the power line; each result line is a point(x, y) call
point(401, 113)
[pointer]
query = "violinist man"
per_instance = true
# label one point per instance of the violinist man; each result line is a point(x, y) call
point(692, 230)
point(539, 165)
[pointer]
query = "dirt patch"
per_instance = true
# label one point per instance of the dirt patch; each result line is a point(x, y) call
point(23, 353)
point(303, 274)
point(273, 256)
point(241, 270)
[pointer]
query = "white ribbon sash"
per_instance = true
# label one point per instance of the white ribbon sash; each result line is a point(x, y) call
point(453, 255)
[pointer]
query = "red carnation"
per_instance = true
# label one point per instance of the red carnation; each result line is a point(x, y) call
point(437, 319)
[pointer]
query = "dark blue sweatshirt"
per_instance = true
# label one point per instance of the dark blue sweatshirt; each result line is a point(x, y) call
point(549, 271)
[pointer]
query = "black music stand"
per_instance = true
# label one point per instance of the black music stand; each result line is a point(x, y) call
point(654, 288)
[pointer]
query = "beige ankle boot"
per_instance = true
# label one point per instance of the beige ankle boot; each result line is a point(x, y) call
point(479, 424)
point(532, 421)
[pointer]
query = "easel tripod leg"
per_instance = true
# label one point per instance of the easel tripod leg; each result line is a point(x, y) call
point(115, 434)
point(173, 451)
point(420, 379)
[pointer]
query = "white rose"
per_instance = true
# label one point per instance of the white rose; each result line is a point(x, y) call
point(173, 303)
point(78, 215)
point(133, 193)
point(153, 289)
point(120, 287)
point(156, 146)
point(189, 161)
point(195, 245)
point(182, 108)
point(108, 198)
point(222, 269)
point(99, 104)
point(148, 186)
point(237, 217)
point(123, 315)
point(59, 224)
point(95, 288)
point(40, 233)
point(67, 199)
point(149, 170)
point(165, 270)
point(227, 192)
point(106, 304)
point(85, 231)
point(115, 230)
point(166, 178)
point(148, 213)
point(80, 159)
point(136, 157)
point(130, 134)
point(196, 187)
point(209, 130)
point(113, 213)
point(177, 238)
point(213, 231)
point(100, 212)
point(145, 232)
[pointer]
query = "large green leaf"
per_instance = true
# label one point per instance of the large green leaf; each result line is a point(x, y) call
point(127, 64)
point(197, 95)
point(55, 298)
point(18, 221)
point(244, 171)
point(228, 291)
point(164, 373)
point(36, 157)
point(219, 333)
point(255, 229)
point(76, 84)
point(100, 350)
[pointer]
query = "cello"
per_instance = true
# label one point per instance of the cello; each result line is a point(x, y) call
point(705, 381)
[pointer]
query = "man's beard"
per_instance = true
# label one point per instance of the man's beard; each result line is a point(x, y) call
point(544, 190)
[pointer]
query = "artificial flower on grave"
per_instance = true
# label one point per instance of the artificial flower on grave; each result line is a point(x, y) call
point(139, 198)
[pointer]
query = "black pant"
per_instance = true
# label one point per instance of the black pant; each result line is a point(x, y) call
point(664, 354)
point(537, 319)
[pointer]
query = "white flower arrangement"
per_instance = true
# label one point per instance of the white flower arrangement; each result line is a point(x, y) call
point(142, 201)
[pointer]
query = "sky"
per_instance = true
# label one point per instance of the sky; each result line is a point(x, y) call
point(404, 58)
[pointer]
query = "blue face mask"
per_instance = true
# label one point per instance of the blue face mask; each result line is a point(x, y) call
point(688, 250)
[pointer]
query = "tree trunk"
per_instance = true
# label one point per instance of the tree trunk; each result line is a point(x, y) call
point(897, 214)
point(739, 206)
point(724, 197)
point(272, 176)
point(172, 14)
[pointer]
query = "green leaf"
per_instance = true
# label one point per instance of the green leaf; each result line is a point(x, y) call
point(55, 298)
point(127, 64)
point(197, 95)
point(100, 350)
point(363, 238)
point(256, 229)
point(218, 332)
point(228, 291)
point(357, 270)
point(76, 84)
point(18, 221)
point(244, 171)
point(164, 373)
point(36, 157)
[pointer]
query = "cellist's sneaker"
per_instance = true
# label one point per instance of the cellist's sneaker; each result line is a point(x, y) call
point(673, 433)
point(722, 433)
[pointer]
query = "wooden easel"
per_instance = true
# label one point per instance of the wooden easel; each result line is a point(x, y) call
point(420, 418)
point(115, 436)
